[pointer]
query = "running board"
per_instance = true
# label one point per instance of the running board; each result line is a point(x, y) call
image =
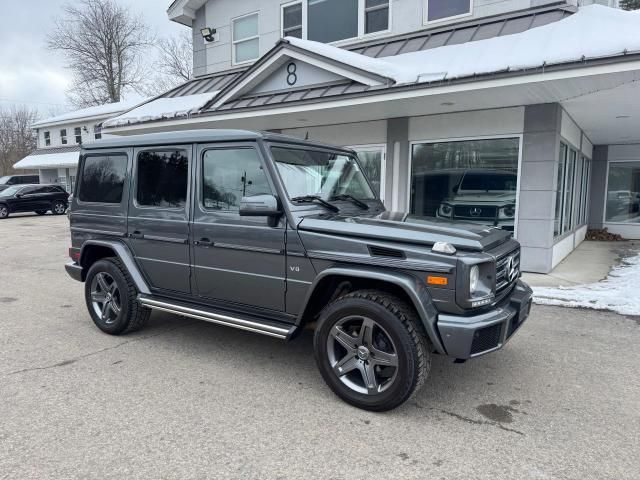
point(269, 328)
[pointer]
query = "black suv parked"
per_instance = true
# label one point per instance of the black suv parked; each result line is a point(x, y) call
point(270, 234)
point(33, 198)
point(8, 180)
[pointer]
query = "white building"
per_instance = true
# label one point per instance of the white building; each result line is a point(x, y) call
point(59, 140)
point(523, 114)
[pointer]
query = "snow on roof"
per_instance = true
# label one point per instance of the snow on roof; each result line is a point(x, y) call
point(593, 32)
point(106, 110)
point(163, 108)
point(49, 160)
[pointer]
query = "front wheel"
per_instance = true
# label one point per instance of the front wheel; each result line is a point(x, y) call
point(4, 211)
point(58, 208)
point(370, 350)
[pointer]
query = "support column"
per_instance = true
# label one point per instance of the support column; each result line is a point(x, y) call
point(538, 177)
point(598, 185)
point(396, 196)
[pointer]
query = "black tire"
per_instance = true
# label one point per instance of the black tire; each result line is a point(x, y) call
point(4, 211)
point(41, 212)
point(58, 207)
point(131, 316)
point(396, 321)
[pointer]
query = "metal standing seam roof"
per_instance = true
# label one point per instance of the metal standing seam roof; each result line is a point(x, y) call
point(50, 150)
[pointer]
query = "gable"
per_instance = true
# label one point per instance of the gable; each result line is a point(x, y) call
point(295, 74)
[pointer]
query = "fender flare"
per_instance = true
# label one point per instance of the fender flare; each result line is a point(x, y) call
point(125, 256)
point(412, 286)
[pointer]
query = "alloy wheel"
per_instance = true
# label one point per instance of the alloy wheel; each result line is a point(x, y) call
point(4, 212)
point(105, 297)
point(362, 355)
point(59, 208)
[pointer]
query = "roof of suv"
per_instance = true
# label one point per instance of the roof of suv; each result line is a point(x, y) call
point(198, 136)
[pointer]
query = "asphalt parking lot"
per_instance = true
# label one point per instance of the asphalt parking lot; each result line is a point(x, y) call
point(184, 399)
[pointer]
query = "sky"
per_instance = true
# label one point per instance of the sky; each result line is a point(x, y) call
point(33, 75)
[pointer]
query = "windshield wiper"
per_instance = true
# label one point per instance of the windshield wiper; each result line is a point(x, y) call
point(315, 198)
point(345, 196)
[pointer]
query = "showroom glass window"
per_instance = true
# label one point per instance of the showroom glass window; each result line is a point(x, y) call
point(437, 10)
point(103, 178)
point(162, 179)
point(572, 191)
point(623, 193)
point(228, 174)
point(470, 180)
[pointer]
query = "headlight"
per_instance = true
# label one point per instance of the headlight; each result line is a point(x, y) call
point(508, 212)
point(445, 210)
point(474, 276)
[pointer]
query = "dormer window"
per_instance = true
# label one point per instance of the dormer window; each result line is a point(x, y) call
point(440, 10)
point(330, 21)
point(246, 40)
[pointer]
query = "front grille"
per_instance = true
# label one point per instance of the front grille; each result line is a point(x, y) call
point(486, 339)
point(507, 270)
point(475, 212)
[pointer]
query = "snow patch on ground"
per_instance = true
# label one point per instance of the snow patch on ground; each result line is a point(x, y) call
point(163, 108)
point(594, 31)
point(619, 292)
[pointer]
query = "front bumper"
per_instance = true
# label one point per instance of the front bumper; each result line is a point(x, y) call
point(74, 270)
point(467, 337)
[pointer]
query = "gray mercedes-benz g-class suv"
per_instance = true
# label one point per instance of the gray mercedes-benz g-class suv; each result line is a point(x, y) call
point(272, 234)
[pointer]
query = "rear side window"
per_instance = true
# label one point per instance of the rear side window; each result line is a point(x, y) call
point(162, 178)
point(103, 178)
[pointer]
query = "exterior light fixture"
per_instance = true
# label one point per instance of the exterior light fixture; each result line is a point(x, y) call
point(208, 34)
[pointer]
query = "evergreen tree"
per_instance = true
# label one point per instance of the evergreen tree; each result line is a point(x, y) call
point(630, 4)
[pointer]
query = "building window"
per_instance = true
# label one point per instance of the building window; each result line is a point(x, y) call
point(572, 190)
point(63, 136)
point(292, 20)
point(437, 10)
point(229, 175)
point(97, 131)
point(470, 180)
point(246, 40)
point(103, 178)
point(77, 133)
point(335, 20)
point(623, 193)
point(47, 139)
point(162, 179)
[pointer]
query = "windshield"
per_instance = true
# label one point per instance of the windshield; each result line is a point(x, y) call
point(319, 173)
point(7, 192)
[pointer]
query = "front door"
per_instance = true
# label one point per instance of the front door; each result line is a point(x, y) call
point(158, 224)
point(32, 199)
point(237, 260)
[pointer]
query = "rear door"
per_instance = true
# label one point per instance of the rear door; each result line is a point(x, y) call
point(32, 199)
point(239, 260)
point(158, 223)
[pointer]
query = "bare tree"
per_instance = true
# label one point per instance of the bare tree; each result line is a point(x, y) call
point(174, 65)
point(104, 44)
point(17, 139)
point(630, 4)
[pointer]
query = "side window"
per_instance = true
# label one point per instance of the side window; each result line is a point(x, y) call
point(103, 178)
point(162, 178)
point(27, 191)
point(229, 175)
point(63, 136)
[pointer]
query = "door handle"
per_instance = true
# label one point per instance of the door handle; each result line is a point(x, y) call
point(136, 234)
point(203, 242)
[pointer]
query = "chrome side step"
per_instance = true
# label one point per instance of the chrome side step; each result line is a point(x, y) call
point(269, 329)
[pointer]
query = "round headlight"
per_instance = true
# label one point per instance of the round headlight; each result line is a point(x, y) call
point(509, 211)
point(446, 210)
point(474, 276)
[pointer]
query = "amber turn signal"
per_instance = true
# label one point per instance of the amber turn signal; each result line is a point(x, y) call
point(433, 280)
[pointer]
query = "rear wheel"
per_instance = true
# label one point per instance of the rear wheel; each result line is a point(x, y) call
point(58, 207)
point(4, 211)
point(111, 298)
point(370, 350)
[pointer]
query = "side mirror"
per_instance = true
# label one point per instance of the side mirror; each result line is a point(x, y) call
point(18, 195)
point(260, 206)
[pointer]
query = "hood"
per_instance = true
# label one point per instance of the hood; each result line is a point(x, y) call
point(406, 228)
point(488, 197)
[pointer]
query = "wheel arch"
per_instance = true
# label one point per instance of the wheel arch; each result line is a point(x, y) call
point(94, 250)
point(330, 283)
